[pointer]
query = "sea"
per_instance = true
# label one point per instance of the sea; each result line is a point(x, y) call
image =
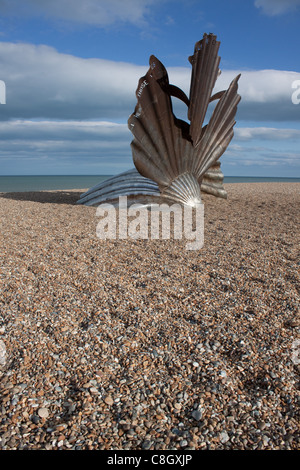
point(59, 182)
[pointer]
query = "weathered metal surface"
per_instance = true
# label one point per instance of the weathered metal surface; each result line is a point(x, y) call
point(174, 159)
point(212, 182)
point(130, 184)
point(205, 70)
point(161, 148)
point(144, 190)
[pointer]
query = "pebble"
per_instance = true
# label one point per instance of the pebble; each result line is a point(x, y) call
point(108, 400)
point(141, 344)
point(197, 414)
point(43, 412)
point(2, 353)
point(35, 419)
point(224, 437)
point(146, 445)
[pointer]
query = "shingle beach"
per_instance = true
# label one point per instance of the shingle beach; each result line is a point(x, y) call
point(142, 344)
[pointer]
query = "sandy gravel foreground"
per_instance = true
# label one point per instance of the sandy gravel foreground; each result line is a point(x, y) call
point(141, 344)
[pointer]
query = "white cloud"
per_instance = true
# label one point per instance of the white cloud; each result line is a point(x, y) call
point(61, 112)
point(58, 130)
point(257, 156)
point(261, 86)
point(266, 133)
point(266, 94)
point(89, 12)
point(101, 147)
point(68, 146)
point(277, 7)
point(43, 83)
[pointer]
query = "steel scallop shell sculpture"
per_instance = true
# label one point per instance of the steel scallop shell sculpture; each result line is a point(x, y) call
point(175, 160)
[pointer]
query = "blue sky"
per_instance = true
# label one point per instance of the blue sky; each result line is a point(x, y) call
point(71, 68)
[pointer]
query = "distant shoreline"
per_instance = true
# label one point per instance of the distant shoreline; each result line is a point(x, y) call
point(21, 183)
point(71, 196)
